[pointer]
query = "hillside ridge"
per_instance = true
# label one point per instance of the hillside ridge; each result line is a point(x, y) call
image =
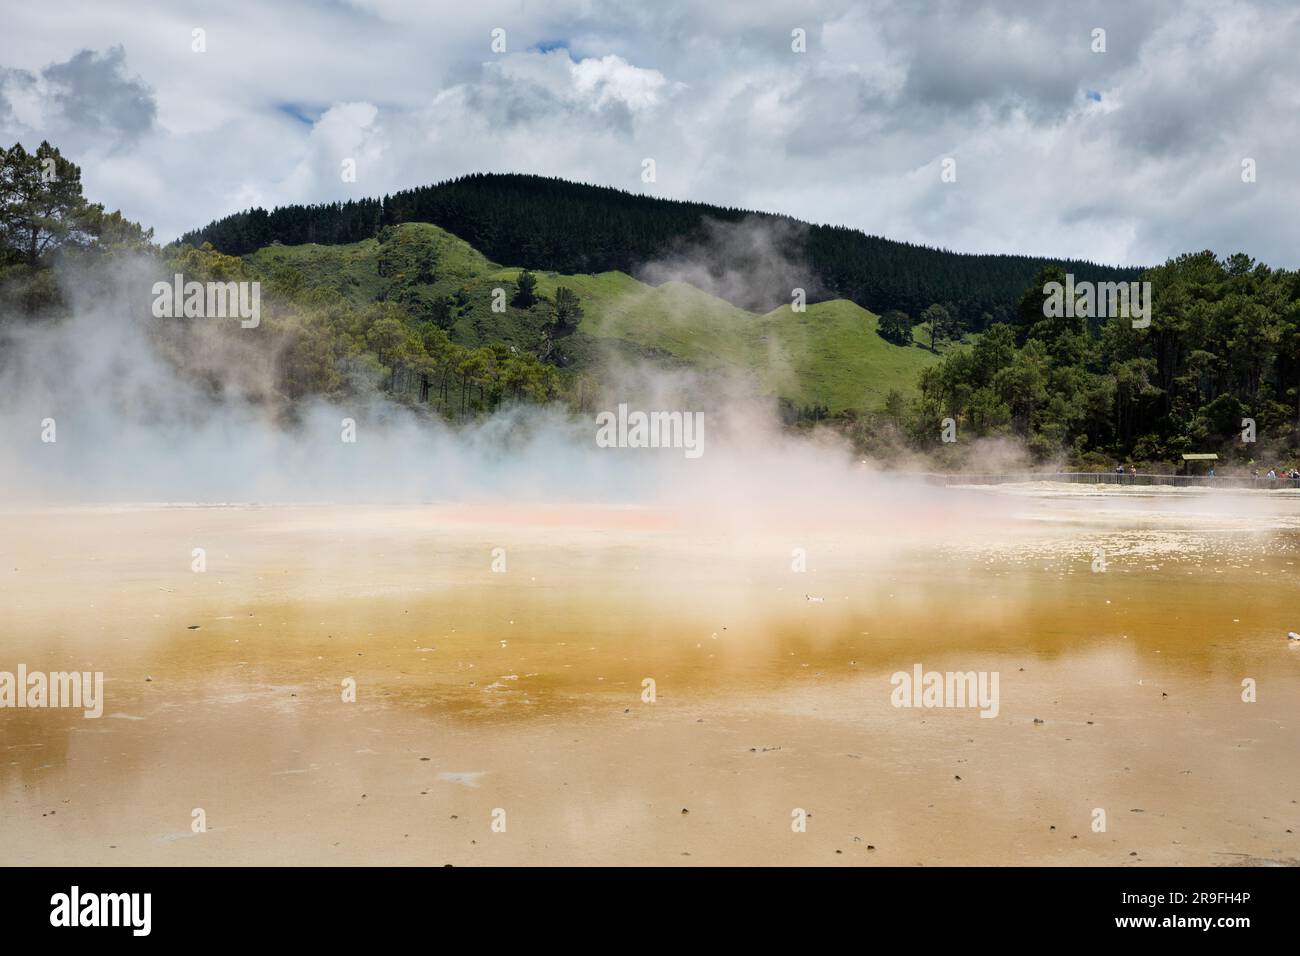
point(557, 225)
point(829, 355)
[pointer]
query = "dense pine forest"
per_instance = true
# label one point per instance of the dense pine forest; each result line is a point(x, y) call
point(556, 225)
point(427, 296)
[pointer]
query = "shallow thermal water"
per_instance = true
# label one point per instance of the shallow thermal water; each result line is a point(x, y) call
point(518, 696)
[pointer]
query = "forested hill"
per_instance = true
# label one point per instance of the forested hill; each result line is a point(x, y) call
point(556, 225)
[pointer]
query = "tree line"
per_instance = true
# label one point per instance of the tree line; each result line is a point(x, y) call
point(1216, 369)
point(323, 344)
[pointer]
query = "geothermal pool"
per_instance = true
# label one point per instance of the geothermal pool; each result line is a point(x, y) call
point(570, 684)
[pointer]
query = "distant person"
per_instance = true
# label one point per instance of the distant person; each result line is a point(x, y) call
point(1272, 475)
point(1211, 471)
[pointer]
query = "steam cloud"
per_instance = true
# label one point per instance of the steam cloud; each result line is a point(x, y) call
point(185, 410)
point(754, 264)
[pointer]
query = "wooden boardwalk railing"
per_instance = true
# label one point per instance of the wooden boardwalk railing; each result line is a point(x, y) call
point(1111, 478)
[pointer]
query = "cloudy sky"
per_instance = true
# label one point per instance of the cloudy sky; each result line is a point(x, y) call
point(1130, 155)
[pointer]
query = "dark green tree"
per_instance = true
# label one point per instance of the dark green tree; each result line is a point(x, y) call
point(525, 290)
point(942, 325)
point(567, 311)
point(41, 205)
point(896, 326)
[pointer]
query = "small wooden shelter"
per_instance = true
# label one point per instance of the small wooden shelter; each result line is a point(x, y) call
point(1190, 466)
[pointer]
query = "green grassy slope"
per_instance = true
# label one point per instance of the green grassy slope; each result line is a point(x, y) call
point(835, 356)
point(829, 354)
point(353, 269)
